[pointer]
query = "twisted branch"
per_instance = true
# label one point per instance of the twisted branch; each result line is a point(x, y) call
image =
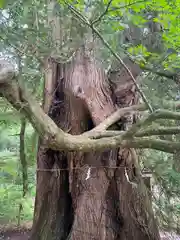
point(97, 139)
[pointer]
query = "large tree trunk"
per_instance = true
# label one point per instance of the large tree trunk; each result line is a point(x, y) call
point(87, 196)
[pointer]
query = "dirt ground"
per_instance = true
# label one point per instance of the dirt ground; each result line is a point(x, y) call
point(15, 232)
point(23, 233)
point(14, 235)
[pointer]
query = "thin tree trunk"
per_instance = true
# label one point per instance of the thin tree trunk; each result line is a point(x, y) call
point(22, 153)
point(23, 157)
point(24, 167)
point(176, 161)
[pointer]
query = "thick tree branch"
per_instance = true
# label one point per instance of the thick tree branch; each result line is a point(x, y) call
point(162, 145)
point(7, 72)
point(115, 117)
point(158, 114)
point(150, 131)
point(17, 95)
point(55, 138)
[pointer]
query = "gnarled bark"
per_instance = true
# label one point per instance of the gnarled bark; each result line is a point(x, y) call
point(135, 210)
point(90, 181)
point(53, 211)
point(90, 197)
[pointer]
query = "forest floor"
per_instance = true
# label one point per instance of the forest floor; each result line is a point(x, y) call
point(23, 233)
point(14, 235)
point(12, 232)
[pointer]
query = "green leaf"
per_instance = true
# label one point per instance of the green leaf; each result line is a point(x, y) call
point(138, 20)
point(2, 3)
